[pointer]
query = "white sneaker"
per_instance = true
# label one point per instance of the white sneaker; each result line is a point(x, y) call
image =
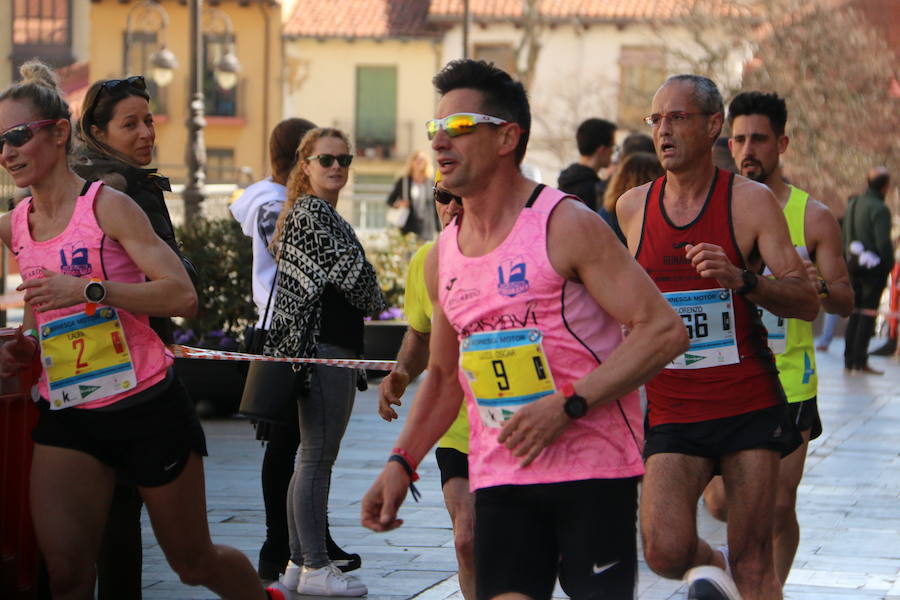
point(724, 551)
point(291, 576)
point(329, 581)
point(710, 583)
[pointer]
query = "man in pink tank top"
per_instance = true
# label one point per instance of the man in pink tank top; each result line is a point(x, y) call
point(703, 235)
point(527, 325)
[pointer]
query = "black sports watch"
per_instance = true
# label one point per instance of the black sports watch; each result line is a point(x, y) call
point(575, 406)
point(95, 291)
point(750, 280)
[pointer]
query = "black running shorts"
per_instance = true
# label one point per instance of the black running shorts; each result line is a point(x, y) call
point(452, 463)
point(768, 428)
point(805, 416)
point(584, 532)
point(147, 443)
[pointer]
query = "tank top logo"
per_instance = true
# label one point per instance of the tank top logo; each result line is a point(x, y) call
point(76, 263)
point(511, 279)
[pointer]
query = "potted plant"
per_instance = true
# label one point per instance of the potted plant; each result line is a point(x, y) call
point(223, 258)
point(389, 252)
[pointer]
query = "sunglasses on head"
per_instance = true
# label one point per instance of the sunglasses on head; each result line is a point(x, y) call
point(460, 124)
point(135, 81)
point(442, 196)
point(20, 134)
point(326, 160)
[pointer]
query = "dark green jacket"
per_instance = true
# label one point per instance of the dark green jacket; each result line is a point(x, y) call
point(868, 220)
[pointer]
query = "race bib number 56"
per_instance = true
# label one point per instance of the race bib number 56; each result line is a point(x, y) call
point(708, 316)
point(505, 371)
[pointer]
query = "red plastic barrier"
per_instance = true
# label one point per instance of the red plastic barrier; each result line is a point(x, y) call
point(18, 548)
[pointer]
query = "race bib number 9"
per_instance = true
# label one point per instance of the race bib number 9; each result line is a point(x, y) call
point(708, 316)
point(777, 330)
point(506, 370)
point(86, 358)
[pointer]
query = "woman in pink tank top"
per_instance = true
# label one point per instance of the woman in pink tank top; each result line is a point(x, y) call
point(93, 272)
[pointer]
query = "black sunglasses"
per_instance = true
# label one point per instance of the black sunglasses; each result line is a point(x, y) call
point(135, 81)
point(20, 134)
point(326, 160)
point(445, 197)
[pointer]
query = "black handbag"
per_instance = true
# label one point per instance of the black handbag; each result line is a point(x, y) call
point(269, 387)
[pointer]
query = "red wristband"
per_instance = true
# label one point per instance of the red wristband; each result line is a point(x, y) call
point(406, 457)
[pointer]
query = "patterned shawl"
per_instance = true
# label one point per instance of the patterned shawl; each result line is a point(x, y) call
point(317, 247)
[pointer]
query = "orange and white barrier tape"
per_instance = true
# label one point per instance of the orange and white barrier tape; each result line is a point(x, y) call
point(348, 363)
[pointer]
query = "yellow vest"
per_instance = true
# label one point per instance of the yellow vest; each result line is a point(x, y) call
point(418, 311)
point(797, 365)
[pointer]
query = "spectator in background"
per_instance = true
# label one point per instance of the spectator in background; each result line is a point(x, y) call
point(596, 144)
point(721, 155)
point(636, 169)
point(257, 211)
point(637, 142)
point(870, 258)
point(413, 191)
point(117, 137)
point(324, 289)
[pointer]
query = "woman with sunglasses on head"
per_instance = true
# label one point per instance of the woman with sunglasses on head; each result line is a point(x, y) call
point(325, 287)
point(413, 191)
point(93, 269)
point(117, 136)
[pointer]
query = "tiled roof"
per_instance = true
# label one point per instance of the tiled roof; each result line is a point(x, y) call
point(358, 18)
point(600, 10)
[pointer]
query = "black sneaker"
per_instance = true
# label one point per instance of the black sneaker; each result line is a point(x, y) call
point(342, 560)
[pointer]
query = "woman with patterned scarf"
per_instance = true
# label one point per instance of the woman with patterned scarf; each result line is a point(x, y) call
point(325, 287)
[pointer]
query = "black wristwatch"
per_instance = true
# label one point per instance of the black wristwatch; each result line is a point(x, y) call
point(575, 406)
point(95, 291)
point(823, 288)
point(750, 280)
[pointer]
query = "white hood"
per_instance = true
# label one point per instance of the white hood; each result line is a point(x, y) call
point(246, 210)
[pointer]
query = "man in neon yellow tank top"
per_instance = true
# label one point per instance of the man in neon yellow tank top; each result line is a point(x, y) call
point(757, 141)
point(453, 448)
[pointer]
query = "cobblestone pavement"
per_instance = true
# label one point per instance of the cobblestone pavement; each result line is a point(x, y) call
point(849, 503)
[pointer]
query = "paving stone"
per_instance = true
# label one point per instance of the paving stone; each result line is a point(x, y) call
point(848, 504)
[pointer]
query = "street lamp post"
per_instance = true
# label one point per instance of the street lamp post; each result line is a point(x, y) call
point(163, 64)
point(194, 189)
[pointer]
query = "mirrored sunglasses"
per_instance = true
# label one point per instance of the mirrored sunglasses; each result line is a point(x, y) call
point(20, 134)
point(442, 196)
point(326, 160)
point(135, 81)
point(460, 124)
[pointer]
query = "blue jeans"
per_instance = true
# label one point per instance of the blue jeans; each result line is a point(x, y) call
point(324, 414)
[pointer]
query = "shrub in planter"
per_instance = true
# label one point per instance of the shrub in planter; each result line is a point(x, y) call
point(223, 257)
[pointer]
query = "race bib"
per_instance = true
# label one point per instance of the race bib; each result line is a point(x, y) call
point(708, 316)
point(506, 370)
point(777, 330)
point(86, 358)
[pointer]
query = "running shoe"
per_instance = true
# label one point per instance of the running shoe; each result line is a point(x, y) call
point(278, 592)
point(329, 581)
point(710, 583)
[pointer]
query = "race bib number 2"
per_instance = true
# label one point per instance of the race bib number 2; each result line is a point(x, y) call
point(505, 370)
point(708, 316)
point(86, 358)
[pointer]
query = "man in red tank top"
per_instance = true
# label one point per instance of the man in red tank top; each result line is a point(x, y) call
point(703, 235)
